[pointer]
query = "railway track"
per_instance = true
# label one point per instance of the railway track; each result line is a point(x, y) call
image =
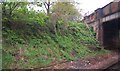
point(114, 67)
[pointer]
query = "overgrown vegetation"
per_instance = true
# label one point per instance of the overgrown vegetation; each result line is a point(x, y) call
point(29, 41)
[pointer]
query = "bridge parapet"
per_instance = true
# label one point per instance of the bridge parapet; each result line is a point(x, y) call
point(110, 10)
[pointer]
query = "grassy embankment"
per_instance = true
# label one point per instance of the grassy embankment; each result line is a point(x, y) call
point(30, 47)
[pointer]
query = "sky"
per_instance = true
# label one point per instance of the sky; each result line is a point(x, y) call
point(91, 5)
point(88, 6)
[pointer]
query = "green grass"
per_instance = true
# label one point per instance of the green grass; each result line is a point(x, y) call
point(44, 49)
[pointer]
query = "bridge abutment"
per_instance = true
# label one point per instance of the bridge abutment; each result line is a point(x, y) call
point(108, 33)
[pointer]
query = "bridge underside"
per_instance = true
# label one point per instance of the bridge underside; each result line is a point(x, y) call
point(111, 34)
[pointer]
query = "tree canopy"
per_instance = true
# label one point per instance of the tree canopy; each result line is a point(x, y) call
point(67, 9)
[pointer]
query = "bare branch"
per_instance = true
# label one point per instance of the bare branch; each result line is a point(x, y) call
point(45, 5)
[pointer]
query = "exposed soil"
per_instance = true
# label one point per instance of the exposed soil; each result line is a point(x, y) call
point(98, 62)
